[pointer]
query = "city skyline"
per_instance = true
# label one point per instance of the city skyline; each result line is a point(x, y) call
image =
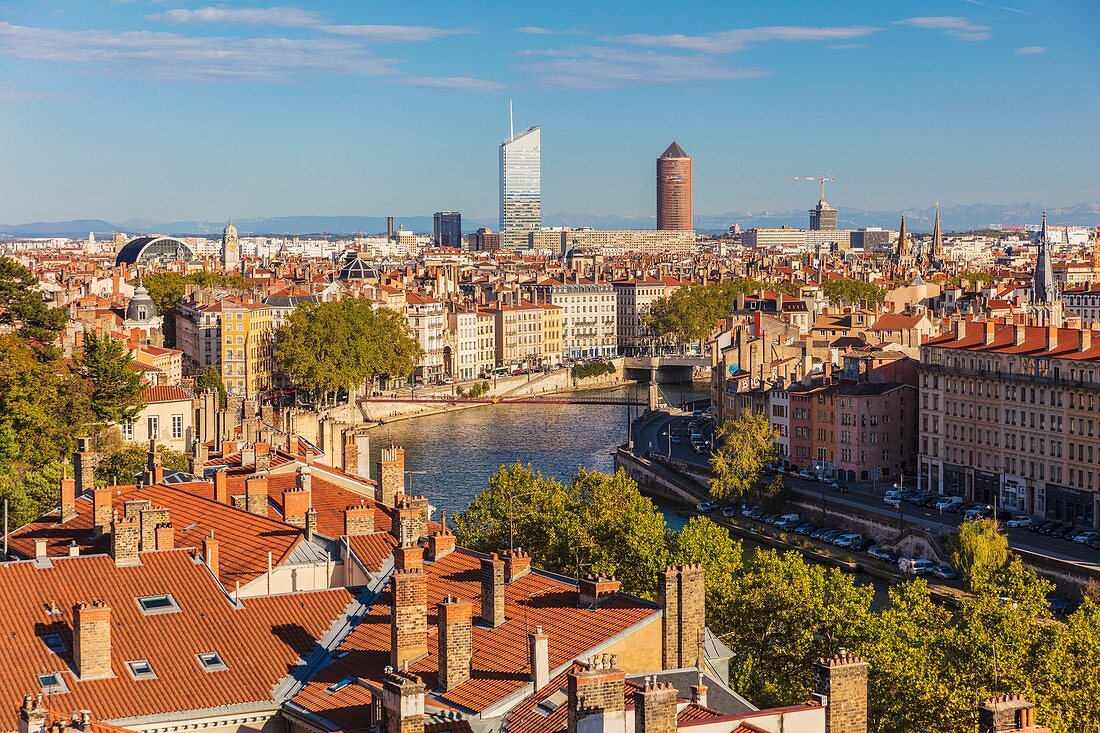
point(258, 111)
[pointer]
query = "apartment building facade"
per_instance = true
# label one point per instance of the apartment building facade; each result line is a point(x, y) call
point(247, 347)
point(588, 316)
point(427, 321)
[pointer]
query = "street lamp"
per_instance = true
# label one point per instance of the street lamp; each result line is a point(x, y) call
point(900, 486)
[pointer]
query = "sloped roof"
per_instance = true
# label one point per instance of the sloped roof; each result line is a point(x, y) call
point(674, 151)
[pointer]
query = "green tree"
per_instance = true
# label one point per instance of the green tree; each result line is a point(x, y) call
point(165, 290)
point(690, 313)
point(31, 491)
point(1071, 677)
point(344, 344)
point(22, 308)
point(116, 389)
point(744, 446)
point(845, 291)
point(785, 614)
point(208, 379)
point(704, 542)
point(981, 551)
point(124, 465)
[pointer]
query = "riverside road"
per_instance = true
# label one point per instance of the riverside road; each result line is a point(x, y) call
point(654, 437)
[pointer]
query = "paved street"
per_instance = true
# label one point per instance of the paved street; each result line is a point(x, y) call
point(657, 438)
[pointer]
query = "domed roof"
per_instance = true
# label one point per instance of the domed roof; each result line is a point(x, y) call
point(155, 248)
point(141, 307)
point(358, 267)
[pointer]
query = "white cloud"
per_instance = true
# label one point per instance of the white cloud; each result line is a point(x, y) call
point(534, 30)
point(738, 39)
point(282, 16)
point(391, 33)
point(593, 67)
point(173, 57)
point(456, 83)
point(998, 7)
point(12, 94)
point(962, 28)
point(1030, 50)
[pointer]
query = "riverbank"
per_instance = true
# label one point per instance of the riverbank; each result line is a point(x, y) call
point(558, 382)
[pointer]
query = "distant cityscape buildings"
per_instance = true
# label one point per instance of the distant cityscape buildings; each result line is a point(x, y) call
point(231, 247)
point(674, 189)
point(520, 187)
point(447, 230)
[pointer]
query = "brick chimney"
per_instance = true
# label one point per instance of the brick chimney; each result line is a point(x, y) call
point(391, 475)
point(221, 487)
point(210, 554)
point(456, 641)
point(84, 461)
point(1019, 333)
point(1052, 337)
point(154, 466)
point(92, 640)
point(311, 523)
point(131, 508)
point(596, 694)
point(125, 540)
point(988, 332)
point(358, 519)
point(1005, 713)
point(402, 703)
point(32, 715)
point(165, 536)
point(255, 494)
point(150, 518)
point(699, 692)
point(655, 707)
point(101, 509)
point(351, 452)
point(441, 542)
point(841, 681)
point(408, 525)
point(538, 649)
point(517, 563)
point(298, 500)
point(682, 597)
point(409, 619)
point(263, 456)
point(198, 458)
point(68, 499)
point(492, 591)
point(40, 545)
point(596, 587)
point(1084, 340)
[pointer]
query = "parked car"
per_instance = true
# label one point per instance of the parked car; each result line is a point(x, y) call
point(729, 512)
point(962, 507)
point(816, 534)
point(916, 566)
point(892, 499)
point(881, 553)
point(1061, 606)
point(943, 571)
point(864, 544)
point(831, 535)
point(838, 487)
point(748, 510)
point(1083, 538)
point(978, 511)
point(1050, 528)
point(1061, 532)
point(846, 540)
point(805, 529)
point(1039, 526)
point(707, 506)
point(806, 475)
point(946, 502)
point(1019, 520)
point(924, 499)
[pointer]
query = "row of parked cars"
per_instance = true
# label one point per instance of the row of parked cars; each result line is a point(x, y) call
point(792, 522)
point(805, 475)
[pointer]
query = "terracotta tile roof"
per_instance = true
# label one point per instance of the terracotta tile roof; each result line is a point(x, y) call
point(896, 322)
point(164, 393)
point(527, 717)
point(694, 712)
point(259, 642)
point(244, 538)
point(326, 497)
point(1034, 341)
point(500, 664)
point(373, 549)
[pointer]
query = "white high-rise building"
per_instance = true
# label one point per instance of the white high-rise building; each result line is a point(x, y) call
point(520, 187)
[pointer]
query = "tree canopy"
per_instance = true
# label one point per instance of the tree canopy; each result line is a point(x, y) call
point(166, 289)
point(344, 344)
point(116, 388)
point(22, 308)
point(853, 292)
point(690, 313)
point(125, 463)
point(744, 445)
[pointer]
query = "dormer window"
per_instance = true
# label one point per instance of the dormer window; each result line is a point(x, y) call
point(163, 603)
point(54, 643)
point(211, 662)
point(140, 669)
point(52, 683)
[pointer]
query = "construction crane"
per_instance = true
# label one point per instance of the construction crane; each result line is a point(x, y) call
point(820, 179)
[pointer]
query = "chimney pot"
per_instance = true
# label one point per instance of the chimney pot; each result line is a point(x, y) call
point(92, 640)
point(492, 591)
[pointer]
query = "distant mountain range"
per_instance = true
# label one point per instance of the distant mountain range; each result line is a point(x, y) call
point(953, 218)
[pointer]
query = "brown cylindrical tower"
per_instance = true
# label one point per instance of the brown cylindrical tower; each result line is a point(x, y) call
point(674, 189)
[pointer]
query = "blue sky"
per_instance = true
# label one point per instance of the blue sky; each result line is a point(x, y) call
point(172, 110)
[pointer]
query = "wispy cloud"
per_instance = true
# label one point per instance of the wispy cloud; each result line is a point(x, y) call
point(279, 16)
point(998, 7)
point(952, 25)
point(596, 67)
point(456, 84)
point(534, 30)
point(12, 94)
point(1030, 50)
point(173, 57)
point(391, 33)
point(739, 39)
point(291, 17)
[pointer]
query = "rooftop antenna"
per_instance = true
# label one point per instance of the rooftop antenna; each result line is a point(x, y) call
point(511, 124)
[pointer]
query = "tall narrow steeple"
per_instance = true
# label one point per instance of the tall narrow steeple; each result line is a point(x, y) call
point(903, 241)
point(937, 238)
point(1046, 299)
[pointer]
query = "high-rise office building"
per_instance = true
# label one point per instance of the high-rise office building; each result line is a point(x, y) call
point(520, 187)
point(674, 189)
point(823, 218)
point(448, 229)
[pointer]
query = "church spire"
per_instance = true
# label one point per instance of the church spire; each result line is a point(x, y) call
point(903, 240)
point(937, 238)
point(1046, 300)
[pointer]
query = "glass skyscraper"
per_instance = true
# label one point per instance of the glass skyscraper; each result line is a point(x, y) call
point(520, 187)
point(448, 229)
